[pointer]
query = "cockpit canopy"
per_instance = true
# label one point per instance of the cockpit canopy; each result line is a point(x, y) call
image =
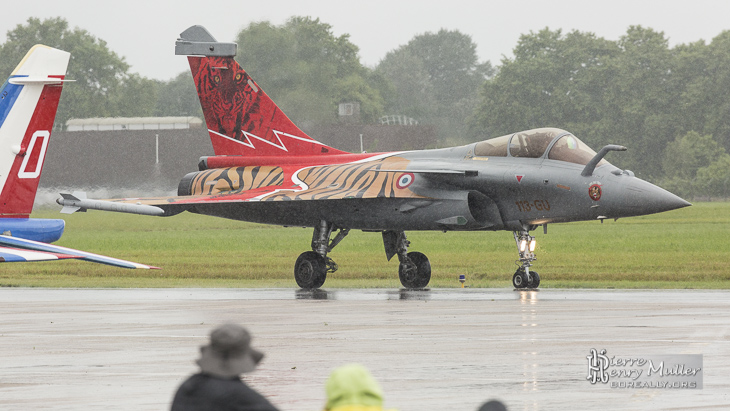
point(559, 144)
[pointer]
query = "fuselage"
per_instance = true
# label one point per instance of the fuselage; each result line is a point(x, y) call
point(471, 187)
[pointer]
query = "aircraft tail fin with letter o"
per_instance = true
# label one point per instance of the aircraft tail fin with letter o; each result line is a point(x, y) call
point(241, 118)
point(28, 104)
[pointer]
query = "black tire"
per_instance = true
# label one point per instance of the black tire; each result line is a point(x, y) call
point(519, 280)
point(310, 270)
point(418, 278)
point(535, 277)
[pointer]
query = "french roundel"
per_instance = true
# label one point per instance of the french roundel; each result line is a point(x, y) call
point(405, 180)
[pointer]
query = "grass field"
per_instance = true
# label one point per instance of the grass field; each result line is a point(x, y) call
point(687, 248)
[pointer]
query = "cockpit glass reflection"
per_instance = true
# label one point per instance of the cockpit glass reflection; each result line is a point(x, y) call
point(496, 147)
point(534, 143)
point(569, 148)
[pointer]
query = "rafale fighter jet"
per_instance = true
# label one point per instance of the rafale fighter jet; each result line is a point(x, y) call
point(267, 170)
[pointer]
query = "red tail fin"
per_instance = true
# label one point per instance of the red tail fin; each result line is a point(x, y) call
point(27, 111)
point(241, 118)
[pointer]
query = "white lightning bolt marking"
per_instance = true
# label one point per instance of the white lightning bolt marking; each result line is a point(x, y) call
point(249, 143)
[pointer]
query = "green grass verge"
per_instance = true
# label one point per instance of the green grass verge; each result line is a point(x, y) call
point(687, 248)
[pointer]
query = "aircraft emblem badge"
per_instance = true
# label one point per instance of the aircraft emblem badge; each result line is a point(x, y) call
point(594, 191)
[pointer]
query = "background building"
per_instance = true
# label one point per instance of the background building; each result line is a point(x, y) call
point(151, 155)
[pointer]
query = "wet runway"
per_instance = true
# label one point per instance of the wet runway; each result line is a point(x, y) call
point(431, 350)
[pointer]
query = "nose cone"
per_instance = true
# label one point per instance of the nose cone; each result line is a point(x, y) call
point(641, 197)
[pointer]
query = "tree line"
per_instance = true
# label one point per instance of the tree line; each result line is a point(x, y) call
point(667, 105)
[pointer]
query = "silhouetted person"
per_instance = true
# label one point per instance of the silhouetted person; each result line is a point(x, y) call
point(492, 405)
point(352, 388)
point(218, 386)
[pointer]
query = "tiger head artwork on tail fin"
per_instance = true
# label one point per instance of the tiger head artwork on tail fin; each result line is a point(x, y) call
point(241, 118)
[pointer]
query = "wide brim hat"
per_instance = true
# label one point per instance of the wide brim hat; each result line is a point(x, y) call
point(229, 353)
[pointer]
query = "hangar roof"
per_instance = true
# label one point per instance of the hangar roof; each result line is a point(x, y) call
point(132, 123)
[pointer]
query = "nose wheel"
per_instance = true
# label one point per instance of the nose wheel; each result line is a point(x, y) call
point(522, 279)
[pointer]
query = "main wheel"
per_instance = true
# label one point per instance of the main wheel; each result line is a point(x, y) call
point(534, 280)
point(519, 280)
point(310, 270)
point(418, 276)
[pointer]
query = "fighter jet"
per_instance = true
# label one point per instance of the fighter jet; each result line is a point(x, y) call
point(267, 170)
point(28, 104)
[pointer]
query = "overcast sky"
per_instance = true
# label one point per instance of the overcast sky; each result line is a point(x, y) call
point(144, 31)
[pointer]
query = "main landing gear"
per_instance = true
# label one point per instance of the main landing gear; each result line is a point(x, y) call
point(311, 268)
point(524, 277)
point(414, 270)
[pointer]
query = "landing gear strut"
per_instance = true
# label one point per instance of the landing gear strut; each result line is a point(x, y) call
point(311, 268)
point(524, 277)
point(414, 270)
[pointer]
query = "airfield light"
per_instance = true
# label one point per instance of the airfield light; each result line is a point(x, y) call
point(523, 245)
point(462, 279)
point(533, 243)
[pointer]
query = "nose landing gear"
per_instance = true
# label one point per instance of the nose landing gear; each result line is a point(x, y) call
point(524, 277)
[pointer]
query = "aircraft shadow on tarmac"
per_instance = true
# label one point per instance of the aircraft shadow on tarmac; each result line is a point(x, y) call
point(421, 294)
point(403, 294)
point(314, 294)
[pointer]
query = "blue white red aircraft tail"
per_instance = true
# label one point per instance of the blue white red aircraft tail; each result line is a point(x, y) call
point(28, 105)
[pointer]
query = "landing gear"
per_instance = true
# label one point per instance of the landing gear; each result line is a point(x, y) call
point(521, 279)
point(414, 270)
point(524, 277)
point(311, 268)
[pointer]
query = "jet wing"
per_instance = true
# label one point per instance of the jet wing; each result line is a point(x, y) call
point(16, 255)
point(14, 249)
